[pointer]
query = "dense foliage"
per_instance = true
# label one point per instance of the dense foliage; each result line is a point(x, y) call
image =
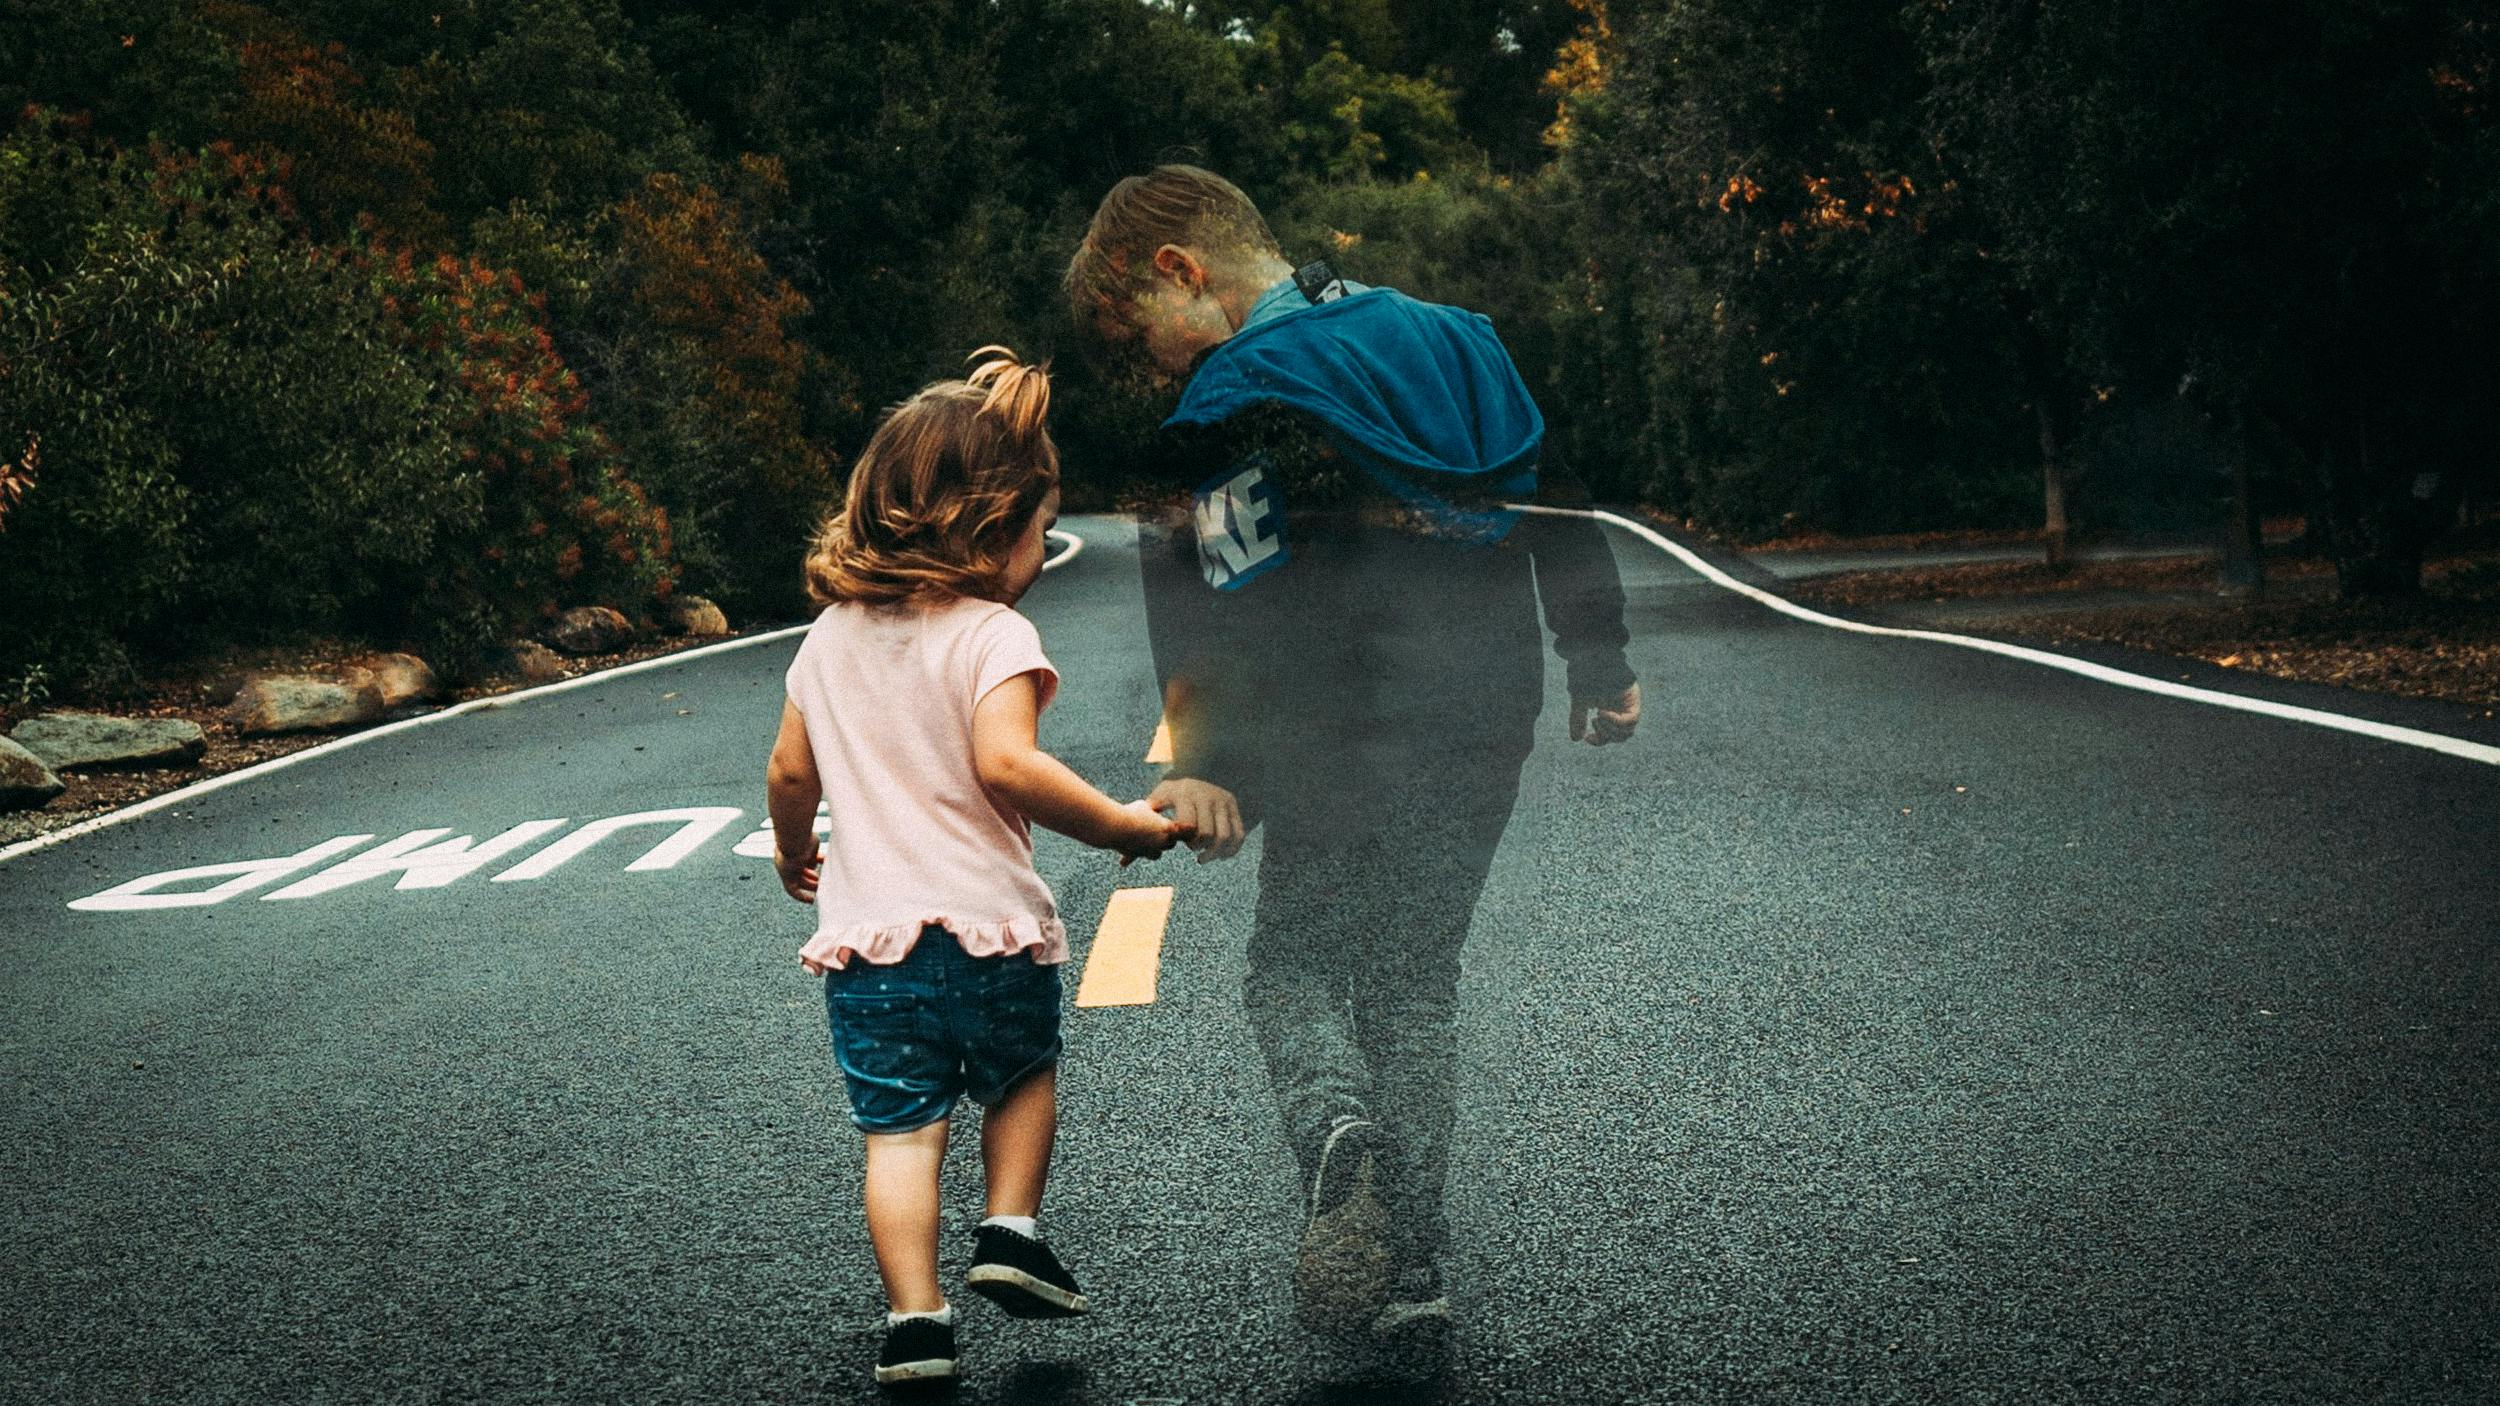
point(417, 323)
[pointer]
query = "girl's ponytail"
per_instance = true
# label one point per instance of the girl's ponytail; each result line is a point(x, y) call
point(1019, 395)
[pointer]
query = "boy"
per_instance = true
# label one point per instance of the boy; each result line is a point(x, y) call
point(1344, 623)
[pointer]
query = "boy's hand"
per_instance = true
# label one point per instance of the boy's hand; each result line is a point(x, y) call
point(1153, 836)
point(1604, 720)
point(798, 877)
point(1207, 811)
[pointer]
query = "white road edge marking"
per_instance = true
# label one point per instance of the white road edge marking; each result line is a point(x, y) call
point(2385, 732)
point(197, 789)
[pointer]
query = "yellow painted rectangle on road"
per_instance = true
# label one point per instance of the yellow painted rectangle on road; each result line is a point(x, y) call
point(1128, 949)
point(1159, 751)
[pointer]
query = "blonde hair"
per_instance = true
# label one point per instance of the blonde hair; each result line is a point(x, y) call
point(1171, 204)
point(946, 486)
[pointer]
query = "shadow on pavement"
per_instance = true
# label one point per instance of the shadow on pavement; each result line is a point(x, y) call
point(1045, 1384)
point(1376, 1391)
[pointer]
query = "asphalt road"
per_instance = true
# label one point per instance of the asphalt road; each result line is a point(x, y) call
point(1886, 1022)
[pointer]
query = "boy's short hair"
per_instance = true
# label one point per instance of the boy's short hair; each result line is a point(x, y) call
point(1171, 204)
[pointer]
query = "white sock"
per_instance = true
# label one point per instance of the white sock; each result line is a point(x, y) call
point(1025, 1226)
point(944, 1315)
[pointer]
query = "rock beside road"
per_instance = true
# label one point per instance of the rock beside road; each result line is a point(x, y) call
point(694, 617)
point(270, 703)
point(403, 678)
point(25, 782)
point(535, 662)
point(70, 740)
point(590, 629)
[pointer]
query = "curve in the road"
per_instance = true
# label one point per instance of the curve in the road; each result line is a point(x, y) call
point(2385, 732)
point(1071, 545)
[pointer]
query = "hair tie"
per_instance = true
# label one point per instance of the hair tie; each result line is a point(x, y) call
point(1018, 394)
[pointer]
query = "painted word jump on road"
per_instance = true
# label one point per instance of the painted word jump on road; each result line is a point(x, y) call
point(422, 859)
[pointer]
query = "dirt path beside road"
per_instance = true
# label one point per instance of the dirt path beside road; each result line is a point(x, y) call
point(2444, 645)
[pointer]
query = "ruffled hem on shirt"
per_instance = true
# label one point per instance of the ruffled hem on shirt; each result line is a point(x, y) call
point(882, 944)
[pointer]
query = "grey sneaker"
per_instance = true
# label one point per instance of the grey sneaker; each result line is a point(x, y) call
point(1418, 1311)
point(1341, 1278)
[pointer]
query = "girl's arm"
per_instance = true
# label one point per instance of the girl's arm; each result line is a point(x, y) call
point(791, 791)
point(1013, 766)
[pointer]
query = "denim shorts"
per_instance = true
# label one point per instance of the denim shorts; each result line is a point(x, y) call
point(913, 1036)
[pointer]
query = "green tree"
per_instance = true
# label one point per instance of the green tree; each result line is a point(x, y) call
point(2278, 221)
point(139, 69)
point(302, 104)
point(1758, 194)
point(554, 105)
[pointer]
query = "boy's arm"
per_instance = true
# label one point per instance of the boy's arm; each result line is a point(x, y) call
point(791, 792)
point(1582, 595)
point(1011, 763)
point(1195, 677)
point(1210, 652)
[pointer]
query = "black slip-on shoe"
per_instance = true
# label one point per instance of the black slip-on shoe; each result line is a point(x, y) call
point(1022, 1276)
point(916, 1350)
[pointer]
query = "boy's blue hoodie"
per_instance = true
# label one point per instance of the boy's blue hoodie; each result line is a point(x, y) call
point(1381, 639)
point(1423, 397)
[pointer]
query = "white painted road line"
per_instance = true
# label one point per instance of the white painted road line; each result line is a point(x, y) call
point(197, 789)
point(2385, 732)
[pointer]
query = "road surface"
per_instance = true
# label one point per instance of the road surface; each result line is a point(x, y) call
point(1887, 1021)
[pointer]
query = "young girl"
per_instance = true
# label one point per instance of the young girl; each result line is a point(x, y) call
point(911, 712)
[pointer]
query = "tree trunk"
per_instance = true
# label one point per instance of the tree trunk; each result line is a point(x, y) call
point(2053, 529)
point(2378, 543)
point(2243, 537)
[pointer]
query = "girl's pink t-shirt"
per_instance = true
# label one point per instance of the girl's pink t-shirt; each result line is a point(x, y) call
point(887, 693)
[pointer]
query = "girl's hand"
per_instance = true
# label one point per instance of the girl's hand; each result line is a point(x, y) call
point(798, 877)
point(1153, 836)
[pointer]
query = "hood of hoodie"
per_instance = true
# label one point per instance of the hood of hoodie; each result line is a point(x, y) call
point(1424, 397)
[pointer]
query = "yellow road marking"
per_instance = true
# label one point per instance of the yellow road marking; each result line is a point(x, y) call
point(1128, 949)
point(1159, 752)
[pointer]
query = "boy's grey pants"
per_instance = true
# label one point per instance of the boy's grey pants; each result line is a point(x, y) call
point(1367, 879)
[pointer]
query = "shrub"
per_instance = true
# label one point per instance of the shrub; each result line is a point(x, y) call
point(233, 441)
point(547, 512)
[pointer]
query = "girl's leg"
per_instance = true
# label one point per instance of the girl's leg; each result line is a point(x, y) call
point(1016, 1134)
point(902, 1197)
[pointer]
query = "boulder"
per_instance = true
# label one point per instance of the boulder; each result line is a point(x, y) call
point(536, 662)
point(693, 616)
point(69, 740)
point(219, 686)
point(403, 678)
point(303, 703)
point(25, 782)
point(589, 629)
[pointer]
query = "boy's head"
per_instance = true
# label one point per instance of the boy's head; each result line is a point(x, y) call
point(1169, 267)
